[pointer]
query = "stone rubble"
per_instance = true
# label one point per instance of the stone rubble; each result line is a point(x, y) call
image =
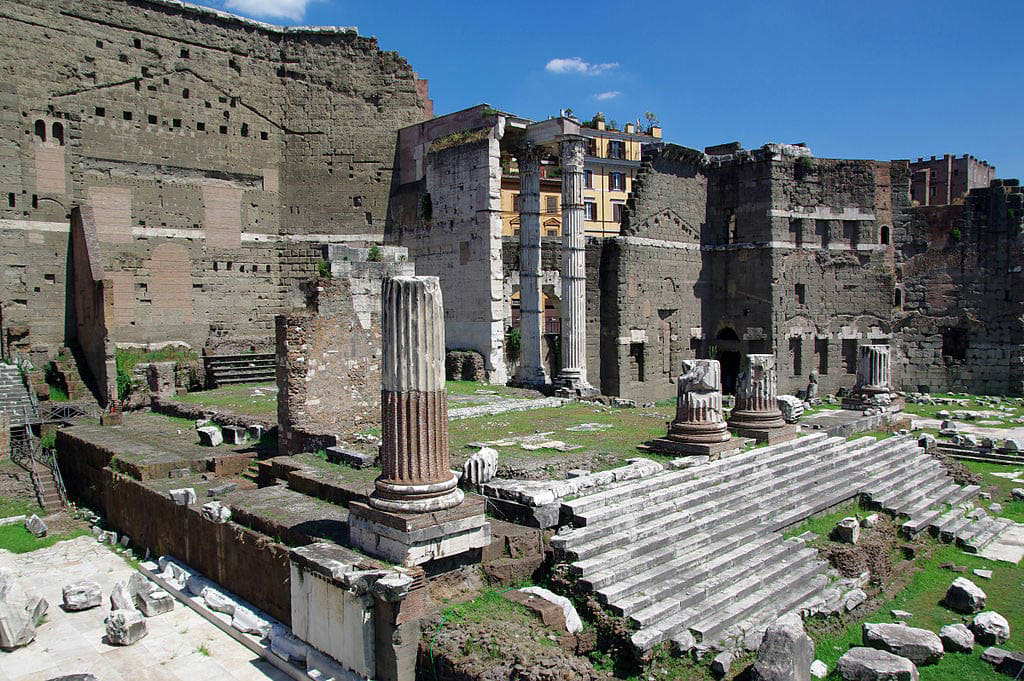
point(965, 596)
point(917, 645)
point(481, 466)
point(185, 496)
point(956, 638)
point(20, 613)
point(870, 664)
point(82, 595)
point(36, 526)
point(125, 627)
point(786, 652)
point(990, 628)
point(573, 623)
point(847, 531)
point(210, 436)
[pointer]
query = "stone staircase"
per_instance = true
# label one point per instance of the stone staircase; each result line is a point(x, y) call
point(47, 493)
point(248, 368)
point(699, 551)
point(14, 397)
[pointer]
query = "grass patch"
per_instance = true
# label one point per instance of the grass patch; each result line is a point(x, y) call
point(1003, 492)
point(922, 597)
point(236, 397)
point(12, 507)
point(16, 539)
point(630, 427)
point(127, 358)
point(489, 606)
point(823, 523)
point(57, 394)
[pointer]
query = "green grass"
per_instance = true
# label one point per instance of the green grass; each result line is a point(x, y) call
point(470, 388)
point(126, 358)
point(12, 507)
point(489, 606)
point(922, 597)
point(57, 394)
point(17, 539)
point(630, 427)
point(971, 403)
point(236, 397)
point(1012, 509)
point(823, 524)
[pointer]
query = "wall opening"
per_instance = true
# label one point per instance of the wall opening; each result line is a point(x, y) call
point(58, 133)
point(730, 366)
point(897, 299)
point(40, 130)
point(636, 356)
point(850, 355)
point(821, 350)
point(796, 352)
point(10, 200)
point(731, 236)
point(796, 229)
point(801, 294)
point(954, 343)
point(821, 227)
point(884, 235)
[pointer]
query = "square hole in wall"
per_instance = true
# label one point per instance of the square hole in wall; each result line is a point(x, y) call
point(152, 119)
point(99, 44)
point(223, 129)
point(100, 111)
point(184, 53)
point(200, 126)
point(176, 123)
point(137, 43)
point(263, 135)
point(127, 115)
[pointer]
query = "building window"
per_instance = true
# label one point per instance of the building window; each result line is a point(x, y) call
point(551, 204)
point(617, 182)
point(884, 237)
point(58, 133)
point(591, 208)
point(616, 149)
point(796, 228)
point(40, 130)
point(617, 207)
point(801, 294)
point(636, 355)
point(591, 147)
point(588, 179)
point(152, 119)
point(516, 203)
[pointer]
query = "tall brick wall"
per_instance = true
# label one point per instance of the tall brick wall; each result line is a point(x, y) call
point(958, 325)
point(204, 142)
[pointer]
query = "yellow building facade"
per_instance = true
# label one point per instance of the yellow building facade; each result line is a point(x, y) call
point(611, 165)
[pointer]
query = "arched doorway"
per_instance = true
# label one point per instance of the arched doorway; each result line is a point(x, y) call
point(728, 355)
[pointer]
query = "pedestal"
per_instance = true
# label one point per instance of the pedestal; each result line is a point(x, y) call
point(417, 538)
point(771, 436)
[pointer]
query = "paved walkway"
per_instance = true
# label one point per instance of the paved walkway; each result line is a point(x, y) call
point(181, 645)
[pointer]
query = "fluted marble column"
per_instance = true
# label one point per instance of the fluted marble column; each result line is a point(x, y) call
point(756, 390)
point(573, 376)
point(699, 418)
point(531, 308)
point(416, 473)
point(874, 374)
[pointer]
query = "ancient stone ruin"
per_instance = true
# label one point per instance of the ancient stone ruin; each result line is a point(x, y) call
point(331, 371)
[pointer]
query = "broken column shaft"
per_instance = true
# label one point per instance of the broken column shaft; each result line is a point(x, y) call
point(573, 376)
point(531, 308)
point(416, 474)
point(873, 370)
point(757, 412)
point(699, 427)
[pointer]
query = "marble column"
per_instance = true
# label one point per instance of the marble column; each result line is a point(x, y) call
point(756, 406)
point(873, 370)
point(416, 474)
point(531, 307)
point(699, 418)
point(573, 376)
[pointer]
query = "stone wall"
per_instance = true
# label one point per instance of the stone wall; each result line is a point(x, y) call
point(447, 212)
point(328, 355)
point(958, 322)
point(210, 148)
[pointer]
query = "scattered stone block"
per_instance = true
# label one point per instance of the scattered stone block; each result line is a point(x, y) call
point(232, 435)
point(847, 530)
point(1012, 665)
point(350, 457)
point(786, 651)
point(75, 677)
point(481, 466)
point(927, 441)
point(254, 432)
point(792, 407)
point(956, 638)
point(20, 613)
point(920, 646)
point(965, 596)
point(901, 614)
point(985, 574)
point(990, 628)
point(870, 664)
point(1018, 493)
point(150, 599)
point(995, 507)
point(683, 643)
point(288, 646)
point(994, 655)
point(722, 662)
point(81, 595)
point(217, 601)
point(216, 512)
point(819, 669)
point(125, 627)
point(180, 473)
point(870, 520)
point(121, 597)
point(854, 598)
point(185, 496)
point(210, 436)
point(248, 622)
point(36, 526)
point(221, 490)
point(555, 611)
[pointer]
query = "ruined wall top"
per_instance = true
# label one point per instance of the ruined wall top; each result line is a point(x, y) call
point(189, 8)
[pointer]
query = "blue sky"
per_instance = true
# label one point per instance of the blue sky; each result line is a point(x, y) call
point(868, 79)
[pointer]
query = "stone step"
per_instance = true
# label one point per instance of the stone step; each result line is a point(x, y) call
point(989, 532)
point(938, 519)
point(689, 571)
point(628, 489)
point(653, 507)
point(934, 501)
point(925, 474)
point(949, 533)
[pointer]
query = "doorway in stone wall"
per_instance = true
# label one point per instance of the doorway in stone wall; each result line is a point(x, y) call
point(728, 355)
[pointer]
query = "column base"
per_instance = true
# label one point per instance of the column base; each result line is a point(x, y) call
point(885, 401)
point(534, 379)
point(673, 447)
point(428, 498)
point(416, 538)
point(572, 383)
point(770, 436)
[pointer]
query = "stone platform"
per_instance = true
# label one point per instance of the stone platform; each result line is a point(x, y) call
point(771, 436)
point(699, 551)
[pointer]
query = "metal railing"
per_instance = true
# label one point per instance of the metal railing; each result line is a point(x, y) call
point(28, 452)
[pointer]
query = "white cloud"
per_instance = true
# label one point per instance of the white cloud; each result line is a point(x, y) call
point(577, 65)
point(278, 9)
point(603, 96)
